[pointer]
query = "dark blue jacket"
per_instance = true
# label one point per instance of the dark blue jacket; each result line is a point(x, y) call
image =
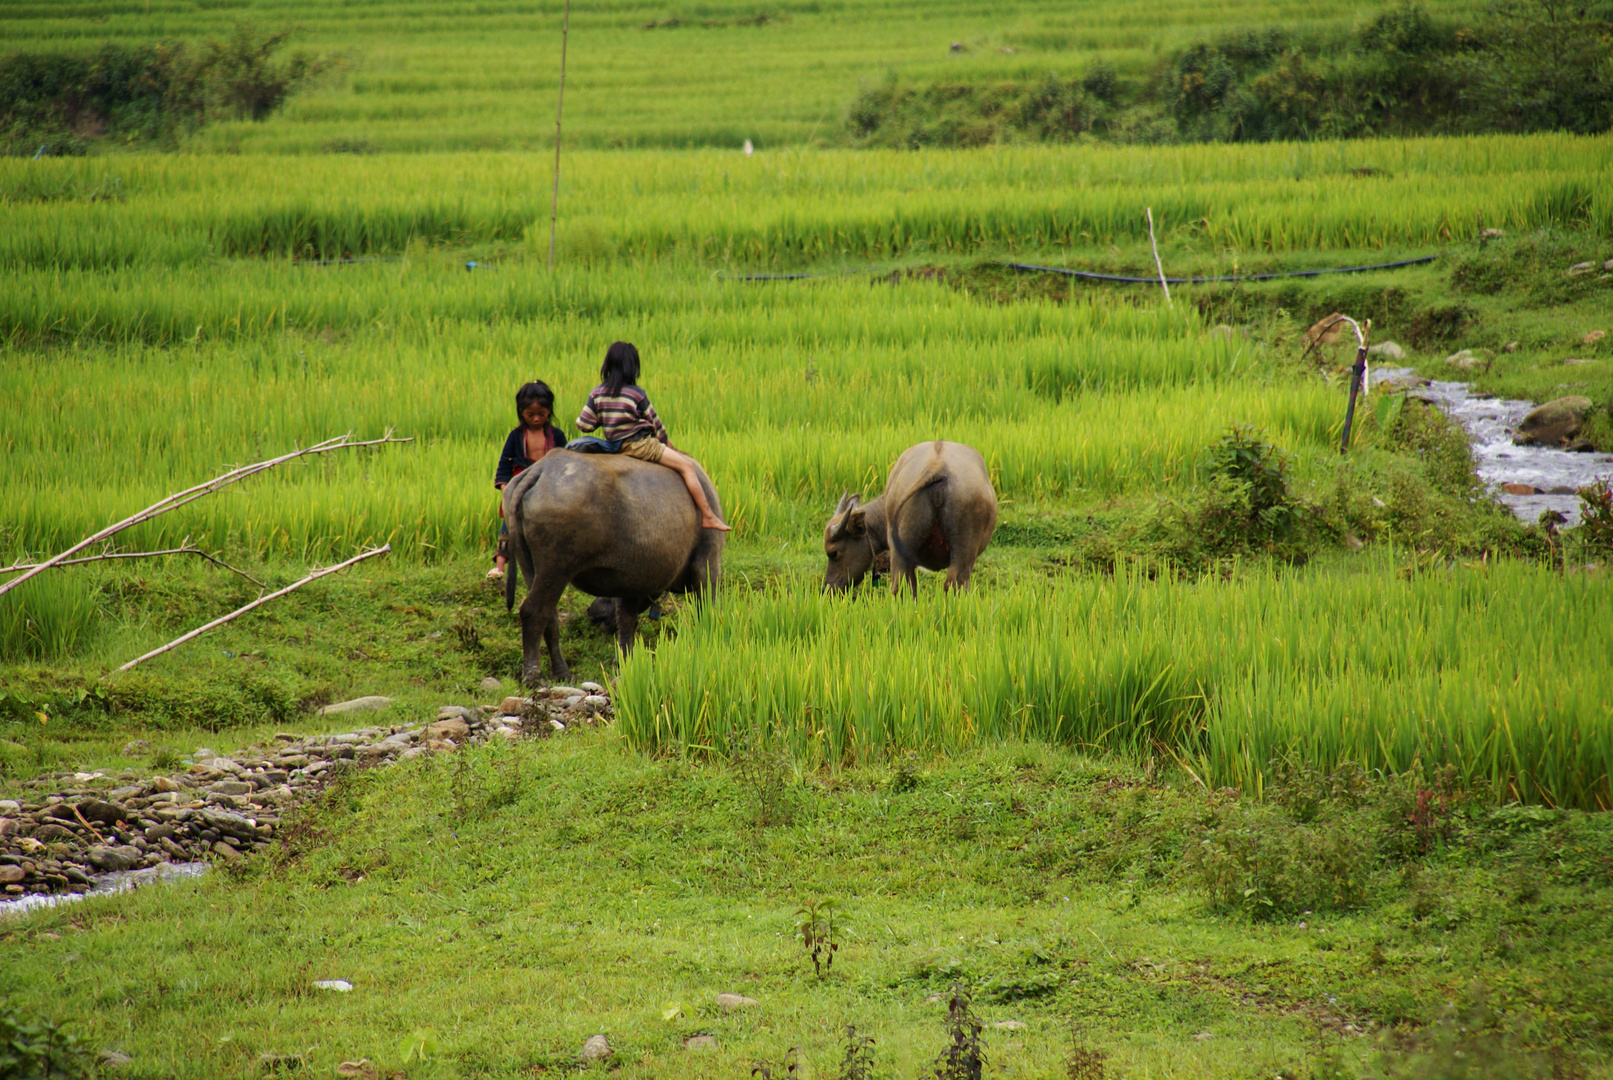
point(514, 458)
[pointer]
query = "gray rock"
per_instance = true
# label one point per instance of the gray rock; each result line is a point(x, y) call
point(515, 705)
point(563, 692)
point(115, 1059)
point(597, 1048)
point(363, 704)
point(227, 852)
point(453, 712)
point(114, 858)
point(1388, 350)
point(1608, 265)
point(592, 688)
point(491, 685)
point(231, 787)
point(1009, 1025)
point(10, 875)
point(596, 702)
point(160, 832)
point(731, 1002)
point(204, 754)
point(1581, 268)
point(136, 747)
point(1510, 347)
point(229, 765)
point(1553, 423)
point(573, 700)
point(1465, 360)
point(106, 813)
point(227, 824)
point(416, 752)
point(10, 807)
point(341, 986)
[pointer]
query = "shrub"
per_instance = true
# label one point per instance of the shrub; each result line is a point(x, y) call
point(1596, 517)
point(36, 1049)
point(1259, 860)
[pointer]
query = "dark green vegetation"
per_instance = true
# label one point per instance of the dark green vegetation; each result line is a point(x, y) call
point(1524, 65)
point(579, 890)
point(54, 104)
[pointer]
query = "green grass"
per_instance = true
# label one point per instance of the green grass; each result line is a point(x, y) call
point(424, 77)
point(608, 890)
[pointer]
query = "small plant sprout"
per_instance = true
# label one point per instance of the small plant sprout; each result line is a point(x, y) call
point(858, 1064)
point(965, 1056)
point(816, 924)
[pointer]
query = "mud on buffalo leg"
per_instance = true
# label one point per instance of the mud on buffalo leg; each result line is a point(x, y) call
point(540, 616)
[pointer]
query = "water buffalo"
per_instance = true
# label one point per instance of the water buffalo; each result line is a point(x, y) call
point(612, 526)
point(938, 511)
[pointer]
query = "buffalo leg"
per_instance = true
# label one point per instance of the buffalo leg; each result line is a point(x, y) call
point(959, 570)
point(903, 572)
point(627, 613)
point(540, 621)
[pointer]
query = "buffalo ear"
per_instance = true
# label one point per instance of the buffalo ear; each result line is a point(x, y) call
point(856, 524)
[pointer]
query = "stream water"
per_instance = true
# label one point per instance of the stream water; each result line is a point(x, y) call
point(105, 885)
point(1554, 474)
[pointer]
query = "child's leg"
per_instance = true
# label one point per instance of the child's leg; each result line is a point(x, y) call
point(685, 467)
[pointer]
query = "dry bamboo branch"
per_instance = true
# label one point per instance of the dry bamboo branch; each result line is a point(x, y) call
point(186, 550)
point(179, 499)
point(559, 104)
point(1157, 264)
point(259, 602)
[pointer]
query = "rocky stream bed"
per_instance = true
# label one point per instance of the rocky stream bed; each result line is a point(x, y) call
point(78, 833)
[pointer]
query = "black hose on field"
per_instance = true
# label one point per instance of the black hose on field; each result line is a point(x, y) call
point(1216, 280)
point(1092, 276)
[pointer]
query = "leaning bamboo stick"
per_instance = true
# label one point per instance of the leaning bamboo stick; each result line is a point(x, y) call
point(259, 602)
point(173, 502)
point(188, 549)
point(1157, 264)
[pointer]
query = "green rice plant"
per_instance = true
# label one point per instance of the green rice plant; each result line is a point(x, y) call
point(48, 618)
point(1221, 679)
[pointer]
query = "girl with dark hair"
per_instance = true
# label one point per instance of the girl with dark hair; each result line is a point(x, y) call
point(536, 436)
point(620, 415)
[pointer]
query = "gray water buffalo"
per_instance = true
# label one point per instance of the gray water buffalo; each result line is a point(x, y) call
point(938, 511)
point(612, 526)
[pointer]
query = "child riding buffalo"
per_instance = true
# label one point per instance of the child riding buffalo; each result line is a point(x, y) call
point(619, 412)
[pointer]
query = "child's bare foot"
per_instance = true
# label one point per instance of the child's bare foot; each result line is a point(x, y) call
point(709, 521)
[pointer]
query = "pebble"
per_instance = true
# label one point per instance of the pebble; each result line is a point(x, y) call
point(595, 1049)
point(341, 986)
point(491, 685)
point(730, 1002)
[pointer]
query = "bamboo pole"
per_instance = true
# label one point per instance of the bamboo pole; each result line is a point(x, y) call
point(259, 602)
point(173, 502)
point(560, 104)
point(187, 549)
point(1157, 264)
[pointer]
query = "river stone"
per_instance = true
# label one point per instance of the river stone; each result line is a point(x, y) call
point(450, 712)
point(224, 850)
point(456, 729)
point(52, 834)
point(204, 753)
point(10, 807)
point(10, 875)
point(1520, 489)
point(596, 702)
point(136, 747)
point(363, 704)
point(1581, 268)
point(1388, 350)
point(113, 858)
point(228, 824)
point(563, 691)
point(592, 688)
point(514, 705)
point(595, 1049)
point(164, 783)
point(731, 1002)
point(1553, 423)
point(95, 810)
point(1464, 360)
point(160, 832)
point(231, 787)
point(115, 1059)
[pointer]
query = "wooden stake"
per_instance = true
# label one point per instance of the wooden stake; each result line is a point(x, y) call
point(259, 602)
point(560, 104)
point(1157, 264)
point(173, 502)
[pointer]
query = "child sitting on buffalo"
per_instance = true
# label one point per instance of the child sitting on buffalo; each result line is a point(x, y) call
point(536, 436)
point(619, 412)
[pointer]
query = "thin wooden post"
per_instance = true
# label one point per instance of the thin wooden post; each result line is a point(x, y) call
point(1157, 264)
point(559, 106)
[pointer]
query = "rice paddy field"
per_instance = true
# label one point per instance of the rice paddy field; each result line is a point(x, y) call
point(167, 317)
point(1314, 799)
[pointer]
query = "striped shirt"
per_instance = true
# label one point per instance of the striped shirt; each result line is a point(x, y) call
point(623, 417)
